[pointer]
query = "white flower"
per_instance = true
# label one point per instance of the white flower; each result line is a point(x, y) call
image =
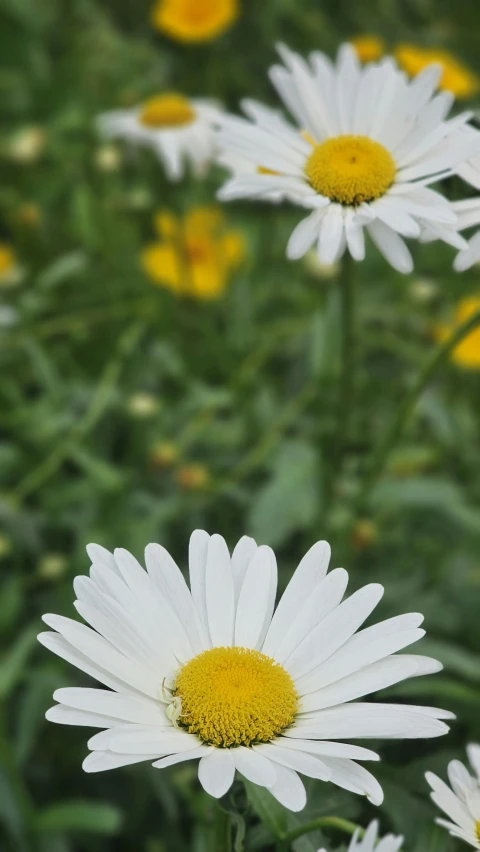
point(369, 841)
point(468, 213)
point(367, 144)
point(178, 129)
point(212, 672)
point(461, 803)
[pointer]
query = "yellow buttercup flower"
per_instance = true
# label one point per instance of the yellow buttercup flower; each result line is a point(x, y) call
point(467, 353)
point(368, 48)
point(456, 77)
point(194, 256)
point(191, 21)
point(10, 271)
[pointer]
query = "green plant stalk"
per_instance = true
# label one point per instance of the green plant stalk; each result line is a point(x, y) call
point(321, 822)
point(222, 831)
point(347, 296)
point(404, 412)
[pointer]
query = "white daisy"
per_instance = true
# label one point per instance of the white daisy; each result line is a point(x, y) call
point(212, 672)
point(367, 144)
point(461, 803)
point(468, 213)
point(180, 130)
point(369, 843)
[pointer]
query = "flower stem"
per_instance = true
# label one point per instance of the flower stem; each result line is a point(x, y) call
point(407, 407)
point(315, 824)
point(222, 831)
point(347, 308)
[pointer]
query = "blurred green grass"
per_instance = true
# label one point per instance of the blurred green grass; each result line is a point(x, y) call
point(98, 368)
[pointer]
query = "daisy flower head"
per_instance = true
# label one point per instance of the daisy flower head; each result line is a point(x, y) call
point(461, 801)
point(177, 128)
point(467, 353)
point(456, 77)
point(195, 256)
point(214, 672)
point(194, 21)
point(366, 145)
point(371, 843)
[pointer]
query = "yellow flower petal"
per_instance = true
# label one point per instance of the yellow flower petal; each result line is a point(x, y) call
point(193, 21)
point(456, 77)
point(368, 48)
point(7, 259)
point(234, 248)
point(161, 263)
point(166, 224)
point(467, 353)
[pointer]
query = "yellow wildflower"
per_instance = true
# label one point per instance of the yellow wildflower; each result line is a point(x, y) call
point(456, 77)
point(10, 271)
point(194, 257)
point(191, 21)
point(368, 48)
point(467, 353)
point(164, 454)
point(192, 477)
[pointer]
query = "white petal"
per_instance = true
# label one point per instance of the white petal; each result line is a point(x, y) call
point(324, 748)
point(197, 561)
point(304, 235)
point(103, 654)
point(101, 761)
point(357, 779)
point(241, 557)
point(171, 583)
point(58, 645)
point(121, 707)
point(172, 759)
point(289, 790)
point(473, 752)
point(68, 716)
point(323, 599)
point(360, 720)
point(334, 630)
point(255, 766)
point(302, 762)
point(216, 772)
point(256, 602)
point(330, 234)
point(370, 679)
point(310, 571)
point(138, 739)
point(391, 246)
point(219, 592)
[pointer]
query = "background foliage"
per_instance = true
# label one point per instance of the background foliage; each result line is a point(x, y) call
point(109, 387)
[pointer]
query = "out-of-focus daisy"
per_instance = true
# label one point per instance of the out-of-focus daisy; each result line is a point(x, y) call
point(456, 77)
point(467, 353)
point(370, 842)
point(192, 21)
point(368, 48)
point(195, 256)
point(27, 145)
point(461, 803)
point(367, 145)
point(179, 129)
point(10, 270)
point(214, 671)
point(468, 215)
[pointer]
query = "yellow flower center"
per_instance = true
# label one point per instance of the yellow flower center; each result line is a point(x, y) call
point(235, 696)
point(477, 829)
point(350, 169)
point(168, 110)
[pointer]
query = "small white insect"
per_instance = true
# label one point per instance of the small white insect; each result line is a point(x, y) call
point(173, 711)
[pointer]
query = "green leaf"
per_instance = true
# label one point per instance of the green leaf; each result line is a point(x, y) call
point(274, 516)
point(271, 813)
point(78, 815)
point(12, 665)
point(62, 269)
point(458, 660)
point(433, 493)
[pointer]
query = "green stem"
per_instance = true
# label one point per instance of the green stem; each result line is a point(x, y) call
point(319, 823)
point(222, 831)
point(347, 308)
point(407, 407)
